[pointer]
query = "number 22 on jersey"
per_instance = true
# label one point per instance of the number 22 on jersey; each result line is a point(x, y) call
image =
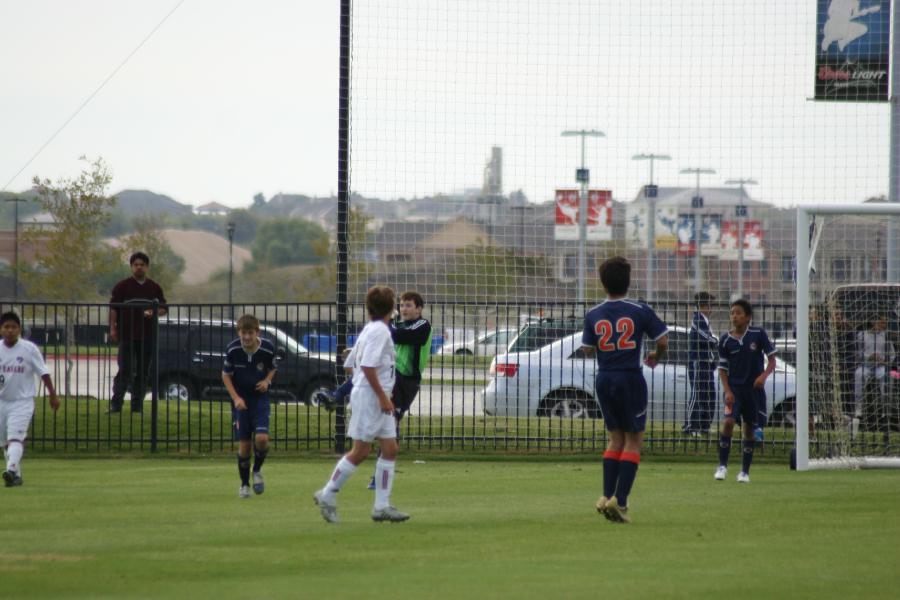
point(624, 327)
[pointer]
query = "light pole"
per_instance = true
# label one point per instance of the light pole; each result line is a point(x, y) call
point(582, 175)
point(16, 201)
point(741, 213)
point(231, 228)
point(650, 193)
point(696, 205)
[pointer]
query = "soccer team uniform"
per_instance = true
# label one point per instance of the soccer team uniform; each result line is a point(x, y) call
point(701, 373)
point(742, 360)
point(19, 367)
point(412, 340)
point(616, 328)
point(373, 348)
point(246, 370)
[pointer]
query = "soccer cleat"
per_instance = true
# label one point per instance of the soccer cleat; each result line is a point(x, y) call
point(259, 485)
point(743, 477)
point(325, 399)
point(328, 509)
point(11, 478)
point(244, 492)
point(389, 513)
point(721, 473)
point(616, 513)
point(371, 485)
point(601, 507)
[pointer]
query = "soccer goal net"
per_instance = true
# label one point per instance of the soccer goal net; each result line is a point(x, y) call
point(848, 337)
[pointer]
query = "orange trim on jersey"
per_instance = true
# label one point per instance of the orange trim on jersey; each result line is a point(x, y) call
point(631, 457)
point(613, 455)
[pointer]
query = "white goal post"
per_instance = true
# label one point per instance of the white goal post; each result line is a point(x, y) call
point(810, 249)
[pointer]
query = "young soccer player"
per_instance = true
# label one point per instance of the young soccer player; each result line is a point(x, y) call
point(247, 374)
point(372, 412)
point(614, 332)
point(741, 374)
point(20, 361)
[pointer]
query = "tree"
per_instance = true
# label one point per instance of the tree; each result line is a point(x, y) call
point(72, 258)
point(166, 267)
point(290, 242)
point(259, 200)
point(245, 225)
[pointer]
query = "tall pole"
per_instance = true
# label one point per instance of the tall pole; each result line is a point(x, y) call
point(650, 194)
point(741, 213)
point(696, 205)
point(893, 264)
point(231, 227)
point(582, 175)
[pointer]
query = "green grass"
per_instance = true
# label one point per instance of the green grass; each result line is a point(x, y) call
point(169, 528)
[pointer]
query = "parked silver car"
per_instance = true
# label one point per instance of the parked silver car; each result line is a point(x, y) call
point(558, 380)
point(488, 343)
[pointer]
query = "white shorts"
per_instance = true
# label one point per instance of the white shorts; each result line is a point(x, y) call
point(367, 421)
point(15, 418)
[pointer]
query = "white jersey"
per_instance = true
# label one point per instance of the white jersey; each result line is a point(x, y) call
point(19, 366)
point(374, 348)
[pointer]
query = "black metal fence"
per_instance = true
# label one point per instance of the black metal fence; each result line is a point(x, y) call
point(503, 377)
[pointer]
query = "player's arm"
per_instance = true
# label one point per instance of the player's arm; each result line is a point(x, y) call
point(723, 379)
point(383, 399)
point(415, 335)
point(662, 345)
point(265, 383)
point(770, 368)
point(48, 383)
point(235, 397)
point(588, 339)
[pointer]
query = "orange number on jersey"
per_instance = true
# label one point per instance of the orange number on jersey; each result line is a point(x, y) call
point(624, 326)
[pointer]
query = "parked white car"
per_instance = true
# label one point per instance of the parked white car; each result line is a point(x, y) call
point(558, 380)
point(489, 343)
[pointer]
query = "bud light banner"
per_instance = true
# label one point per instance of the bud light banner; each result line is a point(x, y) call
point(599, 215)
point(853, 50)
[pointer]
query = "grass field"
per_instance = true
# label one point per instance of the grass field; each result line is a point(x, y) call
point(174, 528)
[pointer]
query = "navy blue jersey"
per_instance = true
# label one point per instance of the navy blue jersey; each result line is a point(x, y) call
point(702, 343)
point(742, 357)
point(247, 370)
point(616, 328)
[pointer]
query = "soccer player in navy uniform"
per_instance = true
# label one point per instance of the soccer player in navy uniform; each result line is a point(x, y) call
point(247, 374)
point(614, 332)
point(741, 373)
point(703, 357)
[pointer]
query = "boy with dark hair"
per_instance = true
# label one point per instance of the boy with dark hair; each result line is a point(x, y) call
point(741, 374)
point(247, 374)
point(372, 413)
point(614, 332)
point(20, 361)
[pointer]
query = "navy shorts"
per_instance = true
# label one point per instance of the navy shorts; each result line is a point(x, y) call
point(622, 396)
point(749, 406)
point(253, 420)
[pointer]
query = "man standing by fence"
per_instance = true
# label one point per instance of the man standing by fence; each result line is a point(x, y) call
point(135, 331)
point(703, 356)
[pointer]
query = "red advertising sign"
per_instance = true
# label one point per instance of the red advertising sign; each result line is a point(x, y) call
point(599, 215)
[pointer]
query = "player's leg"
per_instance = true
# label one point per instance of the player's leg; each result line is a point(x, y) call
point(691, 411)
point(260, 443)
point(123, 376)
point(385, 469)
point(143, 350)
point(725, 434)
point(17, 421)
point(243, 433)
point(708, 398)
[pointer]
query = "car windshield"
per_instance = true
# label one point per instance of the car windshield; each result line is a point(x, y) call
point(283, 340)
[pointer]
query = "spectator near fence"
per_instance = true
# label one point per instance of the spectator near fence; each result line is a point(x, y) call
point(701, 369)
point(135, 331)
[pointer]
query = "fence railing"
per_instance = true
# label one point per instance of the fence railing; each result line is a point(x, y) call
point(499, 380)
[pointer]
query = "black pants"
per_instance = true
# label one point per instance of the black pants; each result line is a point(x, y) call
point(702, 404)
point(405, 391)
point(135, 360)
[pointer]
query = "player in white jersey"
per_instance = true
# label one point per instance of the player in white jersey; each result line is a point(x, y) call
point(372, 412)
point(20, 361)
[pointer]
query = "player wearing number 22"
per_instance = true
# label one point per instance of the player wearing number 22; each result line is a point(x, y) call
point(614, 331)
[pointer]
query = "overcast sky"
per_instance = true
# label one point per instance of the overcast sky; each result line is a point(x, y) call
point(231, 98)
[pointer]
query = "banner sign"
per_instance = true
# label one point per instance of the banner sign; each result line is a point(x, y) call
point(599, 215)
point(731, 236)
point(685, 235)
point(853, 50)
point(711, 235)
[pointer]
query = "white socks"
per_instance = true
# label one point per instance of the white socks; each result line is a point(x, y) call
point(14, 456)
point(384, 481)
point(342, 472)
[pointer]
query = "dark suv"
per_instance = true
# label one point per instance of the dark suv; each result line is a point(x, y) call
point(191, 352)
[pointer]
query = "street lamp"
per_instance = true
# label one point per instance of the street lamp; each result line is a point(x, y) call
point(741, 213)
point(696, 205)
point(650, 192)
point(582, 175)
point(16, 200)
point(231, 228)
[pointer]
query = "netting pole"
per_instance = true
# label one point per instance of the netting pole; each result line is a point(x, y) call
point(343, 209)
point(893, 265)
point(802, 316)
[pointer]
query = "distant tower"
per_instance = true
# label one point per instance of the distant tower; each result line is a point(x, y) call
point(493, 174)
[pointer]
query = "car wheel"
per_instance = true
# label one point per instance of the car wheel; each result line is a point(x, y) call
point(463, 352)
point(312, 391)
point(177, 387)
point(572, 405)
